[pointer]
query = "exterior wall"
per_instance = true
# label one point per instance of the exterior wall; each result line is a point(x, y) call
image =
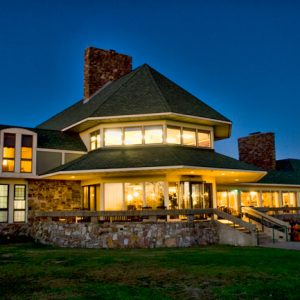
point(71, 156)
point(101, 66)
point(49, 195)
point(258, 149)
point(47, 160)
point(125, 235)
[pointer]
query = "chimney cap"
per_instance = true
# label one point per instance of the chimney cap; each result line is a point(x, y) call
point(253, 133)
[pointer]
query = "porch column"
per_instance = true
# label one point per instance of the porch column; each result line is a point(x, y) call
point(280, 199)
point(297, 199)
point(239, 201)
point(214, 194)
point(166, 195)
point(260, 200)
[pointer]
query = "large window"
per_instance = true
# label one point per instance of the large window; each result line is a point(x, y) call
point(189, 137)
point(203, 139)
point(95, 140)
point(113, 136)
point(173, 135)
point(133, 136)
point(270, 199)
point(153, 134)
point(250, 198)
point(289, 199)
point(26, 154)
point(9, 149)
point(19, 203)
point(3, 202)
point(134, 195)
point(155, 194)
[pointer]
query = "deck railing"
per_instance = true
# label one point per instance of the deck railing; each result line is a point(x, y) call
point(140, 215)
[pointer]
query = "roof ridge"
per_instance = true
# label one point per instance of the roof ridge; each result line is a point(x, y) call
point(165, 102)
point(132, 75)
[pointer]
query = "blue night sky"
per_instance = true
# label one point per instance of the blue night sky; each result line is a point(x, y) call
point(240, 57)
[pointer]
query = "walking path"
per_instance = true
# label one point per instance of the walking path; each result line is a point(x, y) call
point(283, 245)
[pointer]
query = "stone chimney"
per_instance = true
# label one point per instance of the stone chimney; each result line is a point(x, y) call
point(103, 66)
point(258, 149)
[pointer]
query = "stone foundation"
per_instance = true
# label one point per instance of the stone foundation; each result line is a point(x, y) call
point(14, 232)
point(49, 195)
point(125, 235)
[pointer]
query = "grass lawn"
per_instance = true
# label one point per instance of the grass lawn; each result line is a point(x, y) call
point(29, 271)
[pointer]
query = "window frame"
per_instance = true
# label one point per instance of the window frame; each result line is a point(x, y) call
point(25, 200)
point(7, 204)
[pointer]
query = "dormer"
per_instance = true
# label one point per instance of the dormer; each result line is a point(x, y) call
point(18, 152)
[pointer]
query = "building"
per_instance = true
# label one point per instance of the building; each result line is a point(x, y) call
point(136, 142)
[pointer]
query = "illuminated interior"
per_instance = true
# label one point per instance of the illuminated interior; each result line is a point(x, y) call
point(134, 195)
point(249, 198)
point(133, 136)
point(95, 140)
point(173, 135)
point(189, 137)
point(155, 194)
point(9, 145)
point(153, 134)
point(289, 199)
point(228, 201)
point(173, 195)
point(203, 139)
point(113, 137)
point(26, 154)
point(270, 199)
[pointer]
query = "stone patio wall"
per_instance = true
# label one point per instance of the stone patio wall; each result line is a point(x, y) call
point(125, 235)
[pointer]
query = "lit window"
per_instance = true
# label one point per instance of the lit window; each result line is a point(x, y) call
point(133, 136)
point(26, 154)
point(113, 137)
point(19, 203)
point(189, 137)
point(3, 202)
point(155, 194)
point(173, 135)
point(9, 146)
point(153, 134)
point(134, 195)
point(95, 140)
point(204, 139)
point(89, 197)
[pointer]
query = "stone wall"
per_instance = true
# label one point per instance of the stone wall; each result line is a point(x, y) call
point(101, 66)
point(14, 232)
point(125, 235)
point(49, 195)
point(258, 149)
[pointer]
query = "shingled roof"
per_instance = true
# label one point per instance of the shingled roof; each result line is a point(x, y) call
point(142, 91)
point(153, 156)
point(54, 139)
point(287, 172)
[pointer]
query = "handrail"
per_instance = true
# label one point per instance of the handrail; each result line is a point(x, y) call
point(235, 220)
point(271, 219)
point(123, 213)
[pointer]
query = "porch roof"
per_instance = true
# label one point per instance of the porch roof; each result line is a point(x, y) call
point(153, 157)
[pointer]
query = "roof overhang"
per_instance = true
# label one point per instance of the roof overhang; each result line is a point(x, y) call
point(222, 176)
point(222, 128)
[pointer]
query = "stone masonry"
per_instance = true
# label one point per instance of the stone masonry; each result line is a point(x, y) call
point(125, 235)
point(102, 66)
point(258, 149)
point(49, 195)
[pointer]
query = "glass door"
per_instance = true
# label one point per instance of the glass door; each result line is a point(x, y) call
point(89, 197)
